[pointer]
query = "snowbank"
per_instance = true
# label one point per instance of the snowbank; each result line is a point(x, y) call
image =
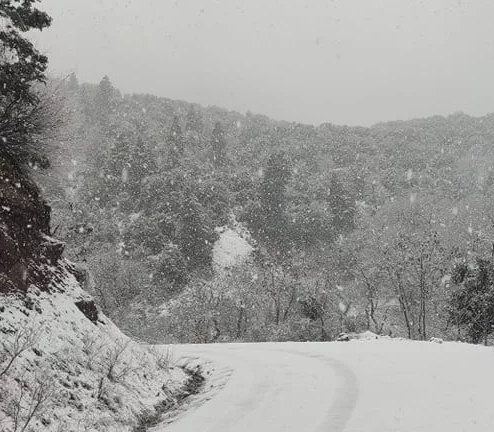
point(366, 335)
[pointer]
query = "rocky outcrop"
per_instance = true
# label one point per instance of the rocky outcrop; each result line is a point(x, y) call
point(89, 309)
point(24, 231)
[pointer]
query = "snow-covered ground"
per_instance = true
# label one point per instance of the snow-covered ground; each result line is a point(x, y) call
point(356, 386)
point(233, 247)
point(86, 375)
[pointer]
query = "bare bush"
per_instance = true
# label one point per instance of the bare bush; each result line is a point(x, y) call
point(113, 364)
point(30, 129)
point(91, 347)
point(22, 340)
point(31, 401)
point(162, 356)
point(117, 282)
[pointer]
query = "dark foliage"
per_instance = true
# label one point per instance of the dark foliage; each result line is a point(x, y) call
point(21, 66)
point(472, 303)
point(25, 121)
point(218, 145)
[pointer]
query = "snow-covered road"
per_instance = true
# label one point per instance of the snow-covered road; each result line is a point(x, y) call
point(356, 386)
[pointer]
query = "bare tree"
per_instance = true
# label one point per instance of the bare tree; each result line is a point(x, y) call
point(25, 338)
point(32, 399)
point(113, 363)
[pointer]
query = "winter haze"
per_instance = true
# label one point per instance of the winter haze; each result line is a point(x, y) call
point(345, 62)
point(270, 216)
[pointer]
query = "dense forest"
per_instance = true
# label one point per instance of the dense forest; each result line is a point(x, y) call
point(131, 225)
point(387, 228)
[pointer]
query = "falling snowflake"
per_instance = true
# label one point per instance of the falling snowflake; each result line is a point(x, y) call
point(125, 174)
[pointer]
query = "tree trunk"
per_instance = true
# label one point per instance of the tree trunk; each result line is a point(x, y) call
point(422, 310)
point(324, 335)
point(217, 330)
point(293, 297)
point(404, 306)
point(239, 322)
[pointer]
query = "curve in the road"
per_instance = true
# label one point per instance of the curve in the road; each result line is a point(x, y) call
point(275, 388)
point(343, 405)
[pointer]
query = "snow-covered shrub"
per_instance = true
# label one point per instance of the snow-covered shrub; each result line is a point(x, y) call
point(162, 356)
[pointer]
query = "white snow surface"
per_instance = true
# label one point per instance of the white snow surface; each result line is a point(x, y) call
point(71, 356)
point(384, 385)
point(232, 248)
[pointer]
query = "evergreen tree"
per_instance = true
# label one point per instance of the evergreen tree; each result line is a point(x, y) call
point(472, 304)
point(119, 159)
point(218, 145)
point(105, 101)
point(170, 268)
point(73, 83)
point(22, 116)
point(142, 163)
point(342, 207)
point(176, 144)
point(126, 164)
point(193, 122)
point(196, 234)
point(27, 117)
point(272, 198)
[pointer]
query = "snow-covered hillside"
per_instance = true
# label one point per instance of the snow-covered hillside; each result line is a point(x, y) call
point(233, 247)
point(64, 366)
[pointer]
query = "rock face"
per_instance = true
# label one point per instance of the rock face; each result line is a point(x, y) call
point(89, 309)
point(25, 244)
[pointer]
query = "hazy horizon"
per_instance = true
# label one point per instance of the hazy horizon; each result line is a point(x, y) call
point(314, 62)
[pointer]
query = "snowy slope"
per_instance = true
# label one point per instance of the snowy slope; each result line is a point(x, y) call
point(233, 247)
point(88, 375)
point(360, 385)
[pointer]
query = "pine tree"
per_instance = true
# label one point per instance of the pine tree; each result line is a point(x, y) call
point(196, 236)
point(119, 158)
point(142, 162)
point(472, 303)
point(176, 144)
point(105, 101)
point(218, 145)
point(272, 197)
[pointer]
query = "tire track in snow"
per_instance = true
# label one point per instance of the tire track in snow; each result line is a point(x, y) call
point(268, 379)
point(259, 389)
point(342, 407)
point(347, 393)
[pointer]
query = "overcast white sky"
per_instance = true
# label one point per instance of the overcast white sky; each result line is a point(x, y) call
point(313, 61)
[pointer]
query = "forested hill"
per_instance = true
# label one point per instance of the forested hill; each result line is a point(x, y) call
point(340, 215)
